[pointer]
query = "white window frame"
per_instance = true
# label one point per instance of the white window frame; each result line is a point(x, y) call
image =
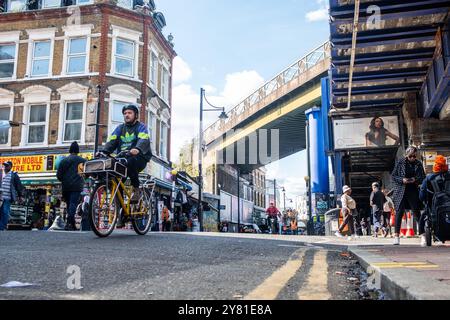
point(122, 94)
point(34, 59)
point(11, 114)
point(43, 6)
point(80, 121)
point(163, 133)
point(116, 56)
point(38, 35)
point(35, 95)
point(24, 8)
point(153, 68)
point(73, 32)
point(126, 35)
point(152, 117)
point(84, 3)
point(165, 84)
point(45, 124)
point(130, 7)
point(11, 38)
point(77, 55)
point(72, 92)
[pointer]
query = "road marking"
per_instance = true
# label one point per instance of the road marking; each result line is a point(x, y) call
point(409, 265)
point(290, 246)
point(272, 286)
point(316, 287)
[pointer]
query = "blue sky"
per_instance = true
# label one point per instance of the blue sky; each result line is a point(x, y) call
point(231, 47)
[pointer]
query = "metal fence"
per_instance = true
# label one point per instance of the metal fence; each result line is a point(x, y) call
point(284, 78)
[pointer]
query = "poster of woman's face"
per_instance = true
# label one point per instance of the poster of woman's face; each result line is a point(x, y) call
point(375, 132)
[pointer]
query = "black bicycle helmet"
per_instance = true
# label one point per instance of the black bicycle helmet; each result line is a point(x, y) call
point(130, 107)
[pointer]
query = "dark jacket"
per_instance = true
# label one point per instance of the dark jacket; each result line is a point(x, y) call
point(68, 174)
point(16, 186)
point(126, 137)
point(425, 196)
point(399, 174)
point(377, 200)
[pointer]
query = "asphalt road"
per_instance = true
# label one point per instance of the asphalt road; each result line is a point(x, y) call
point(163, 266)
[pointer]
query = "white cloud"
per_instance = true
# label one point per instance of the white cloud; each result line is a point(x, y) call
point(181, 71)
point(186, 100)
point(320, 14)
point(317, 15)
point(239, 85)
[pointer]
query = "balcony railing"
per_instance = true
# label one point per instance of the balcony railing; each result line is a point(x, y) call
point(284, 79)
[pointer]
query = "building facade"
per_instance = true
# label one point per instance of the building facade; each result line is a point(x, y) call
point(61, 62)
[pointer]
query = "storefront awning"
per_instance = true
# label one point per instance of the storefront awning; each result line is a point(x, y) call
point(38, 179)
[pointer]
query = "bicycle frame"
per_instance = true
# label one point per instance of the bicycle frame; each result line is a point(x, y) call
point(117, 183)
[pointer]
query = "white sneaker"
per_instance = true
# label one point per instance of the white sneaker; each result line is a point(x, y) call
point(338, 234)
point(396, 241)
point(423, 241)
point(349, 238)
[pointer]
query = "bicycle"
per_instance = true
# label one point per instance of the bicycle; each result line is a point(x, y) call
point(111, 196)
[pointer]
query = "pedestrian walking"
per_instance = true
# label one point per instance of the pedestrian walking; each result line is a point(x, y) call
point(72, 183)
point(165, 216)
point(11, 192)
point(377, 201)
point(85, 226)
point(348, 210)
point(388, 211)
point(408, 174)
point(294, 227)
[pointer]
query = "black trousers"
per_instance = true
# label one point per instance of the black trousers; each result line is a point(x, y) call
point(135, 165)
point(348, 220)
point(410, 201)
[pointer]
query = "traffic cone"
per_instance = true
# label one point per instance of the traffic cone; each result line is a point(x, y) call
point(392, 222)
point(404, 228)
point(410, 227)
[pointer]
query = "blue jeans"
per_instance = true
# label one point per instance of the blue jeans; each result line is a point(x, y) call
point(4, 214)
point(74, 200)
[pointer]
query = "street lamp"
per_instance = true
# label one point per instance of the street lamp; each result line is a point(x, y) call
point(222, 116)
point(97, 124)
point(5, 124)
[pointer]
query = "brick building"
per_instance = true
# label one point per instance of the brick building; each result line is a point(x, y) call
point(53, 56)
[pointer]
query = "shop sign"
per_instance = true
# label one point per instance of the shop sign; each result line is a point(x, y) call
point(366, 133)
point(38, 163)
point(26, 164)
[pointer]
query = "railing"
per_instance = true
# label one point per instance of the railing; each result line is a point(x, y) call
point(287, 76)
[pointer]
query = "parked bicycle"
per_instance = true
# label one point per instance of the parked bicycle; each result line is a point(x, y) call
point(110, 199)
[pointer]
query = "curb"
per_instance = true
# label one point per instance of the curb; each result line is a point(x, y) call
point(400, 284)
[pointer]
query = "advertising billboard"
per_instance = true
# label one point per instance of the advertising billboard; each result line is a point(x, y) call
point(366, 133)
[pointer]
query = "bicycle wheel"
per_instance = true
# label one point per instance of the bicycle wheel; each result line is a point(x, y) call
point(102, 212)
point(142, 220)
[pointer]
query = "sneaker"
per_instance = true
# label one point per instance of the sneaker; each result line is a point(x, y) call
point(396, 241)
point(338, 234)
point(349, 238)
point(423, 241)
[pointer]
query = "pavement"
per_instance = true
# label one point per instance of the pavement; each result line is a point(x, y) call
point(405, 272)
point(225, 266)
point(171, 266)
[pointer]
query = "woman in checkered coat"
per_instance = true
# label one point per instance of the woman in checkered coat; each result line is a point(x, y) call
point(407, 176)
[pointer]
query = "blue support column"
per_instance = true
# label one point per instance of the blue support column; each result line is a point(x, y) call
point(318, 156)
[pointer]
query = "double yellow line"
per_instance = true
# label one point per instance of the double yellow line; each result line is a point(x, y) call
point(315, 287)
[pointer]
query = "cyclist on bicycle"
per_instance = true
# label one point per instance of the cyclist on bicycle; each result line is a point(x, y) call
point(133, 139)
